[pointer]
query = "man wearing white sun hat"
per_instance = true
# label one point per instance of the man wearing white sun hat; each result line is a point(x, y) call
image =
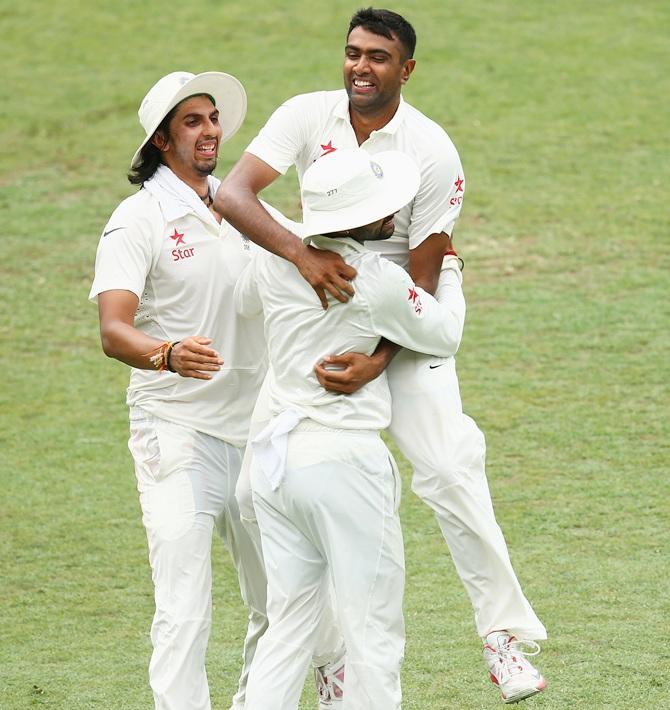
point(165, 271)
point(325, 487)
point(444, 446)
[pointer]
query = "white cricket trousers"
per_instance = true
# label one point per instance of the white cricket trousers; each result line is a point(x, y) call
point(330, 644)
point(333, 520)
point(186, 481)
point(447, 452)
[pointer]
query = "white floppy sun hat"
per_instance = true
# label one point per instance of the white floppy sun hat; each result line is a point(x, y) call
point(228, 94)
point(350, 188)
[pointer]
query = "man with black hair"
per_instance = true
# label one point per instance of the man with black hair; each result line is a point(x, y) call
point(165, 271)
point(445, 447)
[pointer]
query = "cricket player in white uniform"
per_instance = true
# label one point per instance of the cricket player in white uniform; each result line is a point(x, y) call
point(165, 271)
point(445, 447)
point(325, 487)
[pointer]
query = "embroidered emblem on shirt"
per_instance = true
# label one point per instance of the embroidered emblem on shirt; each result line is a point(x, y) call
point(109, 231)
point(178, 254)
point(328, 148)
point(377, 170)
point(415, 299)
point(457, 199)
point(179, 238)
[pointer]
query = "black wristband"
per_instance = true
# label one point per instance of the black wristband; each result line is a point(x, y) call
point(167, 356)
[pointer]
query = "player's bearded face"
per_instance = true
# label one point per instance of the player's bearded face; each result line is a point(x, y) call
point(195, 134)
point(380, 229)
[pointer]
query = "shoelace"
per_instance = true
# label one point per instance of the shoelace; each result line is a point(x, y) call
point(512, 655)
point(329, 687)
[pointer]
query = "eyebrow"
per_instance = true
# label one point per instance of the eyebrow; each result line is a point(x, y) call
point(375, 50)
point(197, 114)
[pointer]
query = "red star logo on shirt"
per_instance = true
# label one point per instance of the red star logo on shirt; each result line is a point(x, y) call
point(458, 184)
point(328, 148)
point(415, 299)
point(179, 238)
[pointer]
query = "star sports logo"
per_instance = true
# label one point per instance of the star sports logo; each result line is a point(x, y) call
point(328, 148)
point(415, 300)
point(457, 199)
point(178, 254)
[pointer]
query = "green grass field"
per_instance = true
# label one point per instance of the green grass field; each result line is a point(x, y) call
point(560, 112)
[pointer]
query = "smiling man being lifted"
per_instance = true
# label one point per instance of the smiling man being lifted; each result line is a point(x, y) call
point(444, 445)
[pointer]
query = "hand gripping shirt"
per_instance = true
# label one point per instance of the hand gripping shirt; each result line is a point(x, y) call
point(300, 333)
point(164, 246)
point(309, 126)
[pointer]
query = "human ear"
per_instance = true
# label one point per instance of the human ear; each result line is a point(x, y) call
point(407, 69)
point(160, 141)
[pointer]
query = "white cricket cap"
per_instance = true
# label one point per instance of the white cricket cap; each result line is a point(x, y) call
point(350, 188)
point(226, 91)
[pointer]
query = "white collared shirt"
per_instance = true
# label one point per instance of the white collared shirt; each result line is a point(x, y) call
point(300, 333)
point(308, 126)
point(164, 246)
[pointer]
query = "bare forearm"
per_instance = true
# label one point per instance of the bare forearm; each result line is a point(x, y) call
point(236, 200)
point(240, 207)
point(428, 280)
point(129, 345)
point(425, 261)
point(189, 357)
point(384, 353)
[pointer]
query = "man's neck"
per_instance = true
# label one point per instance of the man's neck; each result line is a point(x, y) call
point(199, 183)
point(364, 124)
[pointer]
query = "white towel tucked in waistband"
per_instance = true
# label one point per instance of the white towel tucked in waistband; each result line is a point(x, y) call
point(270, 445)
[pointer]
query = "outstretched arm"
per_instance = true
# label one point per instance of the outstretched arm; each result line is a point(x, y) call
point(236, 200)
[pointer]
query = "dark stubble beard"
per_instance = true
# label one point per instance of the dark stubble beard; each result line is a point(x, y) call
point(206, 169)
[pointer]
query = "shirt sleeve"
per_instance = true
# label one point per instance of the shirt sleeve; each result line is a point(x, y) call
point(123, 259)
point(438, 202)
point(284, 136)
point(407, 315)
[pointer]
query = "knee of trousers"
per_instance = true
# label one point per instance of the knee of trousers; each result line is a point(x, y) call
point(178, 628)
point(441, 464)
point(181, 571)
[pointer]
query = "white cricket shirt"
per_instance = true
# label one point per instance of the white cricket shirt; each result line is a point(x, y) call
point(309, 126)
point(164, 246)
point(300, 333)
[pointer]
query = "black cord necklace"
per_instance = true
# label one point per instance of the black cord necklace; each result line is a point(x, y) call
point(207, 199)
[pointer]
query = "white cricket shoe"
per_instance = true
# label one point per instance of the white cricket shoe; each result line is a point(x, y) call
point(330, 684)
point(516, 678)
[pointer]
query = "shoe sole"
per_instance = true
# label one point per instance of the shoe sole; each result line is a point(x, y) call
point(527, 693)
